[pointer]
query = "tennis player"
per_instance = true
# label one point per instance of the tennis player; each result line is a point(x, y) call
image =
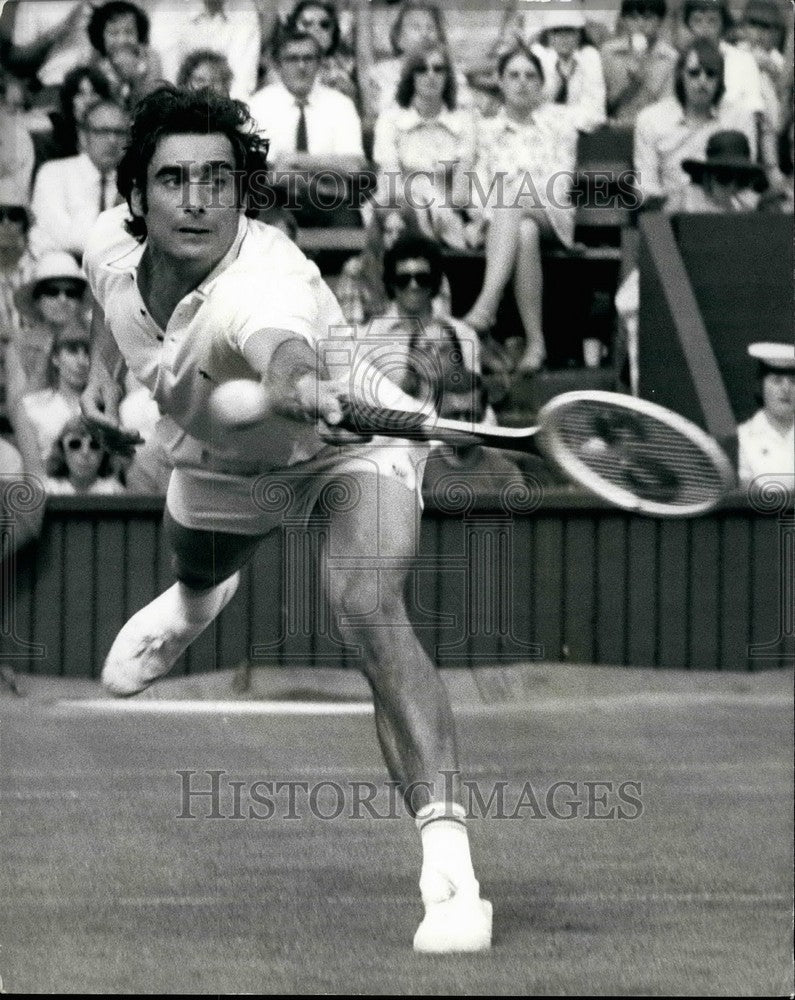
point(191, 294)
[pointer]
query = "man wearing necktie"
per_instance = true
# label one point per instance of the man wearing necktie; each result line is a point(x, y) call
point(313, 130)
point(70, 193)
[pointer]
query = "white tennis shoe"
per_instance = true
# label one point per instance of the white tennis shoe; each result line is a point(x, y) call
point(154, 639)
point(458, 923)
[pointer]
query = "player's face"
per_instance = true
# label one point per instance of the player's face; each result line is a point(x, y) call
point(520, 83)
point(778, 396)
point(191, 201)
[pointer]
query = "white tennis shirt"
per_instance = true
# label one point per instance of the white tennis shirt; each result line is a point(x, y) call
point(264, 282)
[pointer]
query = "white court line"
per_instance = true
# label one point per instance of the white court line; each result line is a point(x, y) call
point(540, 899)
point(224, 707)
point(652, 699)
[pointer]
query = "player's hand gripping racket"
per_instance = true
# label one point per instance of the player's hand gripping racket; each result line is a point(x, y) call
point(633, 453)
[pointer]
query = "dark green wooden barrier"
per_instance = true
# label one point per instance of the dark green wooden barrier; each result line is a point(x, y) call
point(495, 582)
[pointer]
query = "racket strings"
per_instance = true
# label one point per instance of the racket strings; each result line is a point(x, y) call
point(639, 453)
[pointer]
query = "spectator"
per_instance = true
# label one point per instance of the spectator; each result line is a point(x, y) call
point(16, 268)
point(49, 39)
point(230, 27)
point(82, 87)
point(17, 154)
point(767, 440)
point(313, 129)
point(337, 65)
point(727, 180)
point(360, 287)
point(679, 127)
point(51, 301)
point(573, 75)
point(762, 35)
point(639, 65)
point(710, 20)
point(417, 28)
point(78, 464)
point(527, 160)
point(119, 33)
point(204, 68)
point(425, 147)
point(418, 343)
point(49, 409)
point(70, 193)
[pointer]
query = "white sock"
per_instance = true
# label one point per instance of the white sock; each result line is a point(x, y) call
point(446, 861)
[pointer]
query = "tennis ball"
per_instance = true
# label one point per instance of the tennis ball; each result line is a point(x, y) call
point(239, 404)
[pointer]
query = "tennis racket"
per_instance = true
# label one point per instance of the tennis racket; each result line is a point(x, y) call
point(628, 451)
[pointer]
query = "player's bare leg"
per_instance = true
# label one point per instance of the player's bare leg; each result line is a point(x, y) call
point(414, 720)
point(155, 637)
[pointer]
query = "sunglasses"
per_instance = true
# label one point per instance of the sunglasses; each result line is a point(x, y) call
point(694, 73)
point(323, 22)
point(293, 60)
point(438, 68)
point(516, 74)
point(422, 280)
point(13, 213)
point(55, 291)
point(77, 443)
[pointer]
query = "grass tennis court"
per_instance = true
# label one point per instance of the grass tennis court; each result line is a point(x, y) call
point(106, 890)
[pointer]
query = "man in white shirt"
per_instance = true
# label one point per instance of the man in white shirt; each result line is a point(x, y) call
point(231, 27)
point(313, 129)
point(193, 295)
point(69, 193)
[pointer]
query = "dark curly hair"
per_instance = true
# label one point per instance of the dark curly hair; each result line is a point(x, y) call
point(405, 91)
point(293, 26)
point(171, 111)
point(413, 248)
point(56, 465)
point(107, 12)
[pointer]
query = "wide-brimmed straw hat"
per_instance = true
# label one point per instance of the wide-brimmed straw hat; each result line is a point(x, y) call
point(55, 266)
point(728, 153)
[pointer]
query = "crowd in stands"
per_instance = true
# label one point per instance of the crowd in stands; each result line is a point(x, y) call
point(432, 132)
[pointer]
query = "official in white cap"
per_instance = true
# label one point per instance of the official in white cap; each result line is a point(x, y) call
point(767, 440)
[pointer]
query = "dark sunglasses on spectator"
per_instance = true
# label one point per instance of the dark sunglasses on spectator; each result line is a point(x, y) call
point(438, 68)
point(116, 133)
point(694, 72)
point(423, 280)
point(323, 22)
point(76, 443)
point(13, 213)
point(518, 74)
point(299, 59)
point(53, 291)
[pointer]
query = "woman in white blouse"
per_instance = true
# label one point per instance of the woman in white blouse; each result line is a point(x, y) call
point(527, 156)
point(425, 146)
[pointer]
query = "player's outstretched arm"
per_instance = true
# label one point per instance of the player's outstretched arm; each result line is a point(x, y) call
point(100, 401)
